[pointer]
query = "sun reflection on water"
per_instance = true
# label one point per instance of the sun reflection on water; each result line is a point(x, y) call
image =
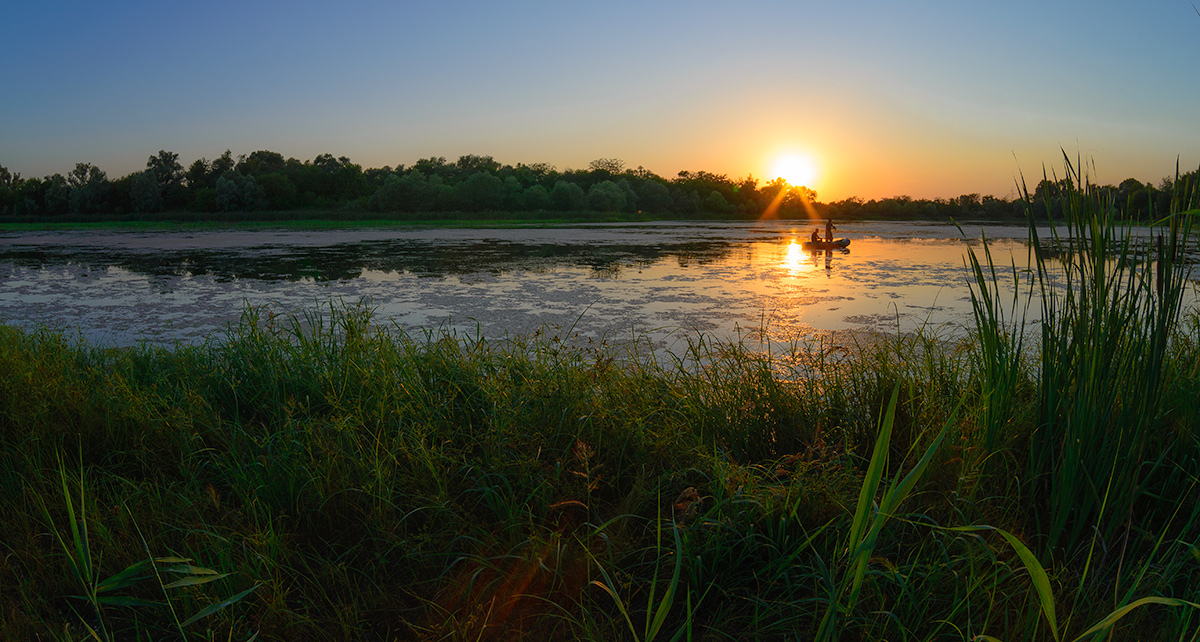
point(793, 259)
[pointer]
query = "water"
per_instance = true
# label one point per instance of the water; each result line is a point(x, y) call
point(657, 280)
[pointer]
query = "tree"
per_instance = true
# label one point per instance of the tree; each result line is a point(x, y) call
point(197, 175)
point(224, 163)
point(145, 192)
point(58, 195)
point(481, 191)
point(376, 176)
point(471, 163)
point(802, 193)
point(350, 182)
point(655, 197)
point(606, 196)
point(537, 198)
point(643, 174)
point(169, 173)
point(390, 196)
point(567, 197)
point(1128, 188)
point(631, 198)
point(1048, 190)
point(995, 208)
point(433, 166)
point(8, 179)
point(261, 162)
point(279, 190)
point(9, 184)
point(714, 202)
point(411, 192)
point(609, 166)
point(89, 188)
point(28, 196)
point(239, 193)
point(537, 173)
point(165, 168)
point(514, 194)
point(686, 201)
point(204, 200)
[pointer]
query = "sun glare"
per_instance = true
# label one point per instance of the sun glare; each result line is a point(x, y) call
point(796, 169)
point(793, 258)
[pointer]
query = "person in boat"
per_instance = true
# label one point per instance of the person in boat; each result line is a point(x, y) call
point(816, 235)
point(829, 228)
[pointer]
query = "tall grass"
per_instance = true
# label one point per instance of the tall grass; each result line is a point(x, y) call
point(1110, 305)
point(1105, 474)
point(378, 485)
point(1108, 313)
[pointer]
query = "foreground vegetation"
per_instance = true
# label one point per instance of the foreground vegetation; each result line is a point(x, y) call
point(321, 477)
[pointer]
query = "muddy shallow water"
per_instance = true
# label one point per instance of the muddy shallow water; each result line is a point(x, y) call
point(612, 281)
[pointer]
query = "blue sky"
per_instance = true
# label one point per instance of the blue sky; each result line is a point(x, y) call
point(929, 99)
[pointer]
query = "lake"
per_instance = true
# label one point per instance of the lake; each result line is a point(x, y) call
point(659, 280)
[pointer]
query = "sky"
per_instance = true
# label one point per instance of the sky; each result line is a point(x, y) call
point(921, 98)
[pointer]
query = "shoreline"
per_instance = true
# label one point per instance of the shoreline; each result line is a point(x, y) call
point(342, 220)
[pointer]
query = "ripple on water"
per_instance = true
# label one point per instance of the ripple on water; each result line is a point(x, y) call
point(601, 280)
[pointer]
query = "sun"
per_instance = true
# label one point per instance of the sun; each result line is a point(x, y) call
point(797, 169)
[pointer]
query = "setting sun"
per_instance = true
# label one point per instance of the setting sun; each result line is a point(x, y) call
point(796, 169)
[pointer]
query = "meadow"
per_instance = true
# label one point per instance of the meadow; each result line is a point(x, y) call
point(323, 477)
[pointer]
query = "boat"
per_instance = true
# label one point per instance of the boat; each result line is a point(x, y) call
point(825, 245)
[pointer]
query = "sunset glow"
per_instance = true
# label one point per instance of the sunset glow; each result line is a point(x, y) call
point(870, 105)
point(797, 169)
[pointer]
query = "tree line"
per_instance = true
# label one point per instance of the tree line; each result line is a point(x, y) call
point(265, 181)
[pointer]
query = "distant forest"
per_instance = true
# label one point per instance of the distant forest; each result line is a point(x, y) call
point(255, 185)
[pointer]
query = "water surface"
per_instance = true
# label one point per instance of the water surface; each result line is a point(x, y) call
point(612, 281)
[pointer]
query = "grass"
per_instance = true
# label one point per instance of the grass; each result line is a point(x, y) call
point(329, 478)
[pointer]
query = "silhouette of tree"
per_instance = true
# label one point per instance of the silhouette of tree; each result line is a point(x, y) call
point(279, 189)
point(197, 175)
point(470, 164)
point(433, 166)
point(537, 198)
point(480, 191)
point(606, 196)
point(58, 195)
point(165, 167)
point(145, 192)
point(239, 193)
point(607, 166)
point(655, 197)
point(262, 162)
point(567, 197)
point(714, 202)
point(224, 163)
point(89, 188)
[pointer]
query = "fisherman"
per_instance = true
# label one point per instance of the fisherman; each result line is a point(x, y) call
point(829, 228)
point(816, 237)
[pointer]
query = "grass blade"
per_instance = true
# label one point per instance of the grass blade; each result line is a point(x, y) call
point(213, 608)
point(1112, 618)
point(195, 580)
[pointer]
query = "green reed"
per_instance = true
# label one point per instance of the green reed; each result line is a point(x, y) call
point(1109, 308)
point(1108, 461)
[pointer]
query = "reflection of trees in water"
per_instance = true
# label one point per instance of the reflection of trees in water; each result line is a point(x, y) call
point(349, 260)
